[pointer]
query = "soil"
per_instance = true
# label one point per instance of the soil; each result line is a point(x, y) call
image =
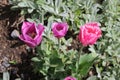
point(14, 55)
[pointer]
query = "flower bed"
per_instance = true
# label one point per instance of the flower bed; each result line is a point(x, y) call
point(71, 39)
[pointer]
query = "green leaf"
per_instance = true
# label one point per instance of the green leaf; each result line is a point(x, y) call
point(69, 62)
point(40, 2)
point(13, 62)
point(86, 62)
point(35, 59)
point(57, 5)
point(30, 20)
point(92, 78)
point(30, 10)
point(14, 7)
point(31, 4)
point(48, 8)
point(64, 14)
point(56, 61)
point(22, 4)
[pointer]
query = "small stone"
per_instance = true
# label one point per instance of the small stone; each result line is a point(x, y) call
point(15, 34)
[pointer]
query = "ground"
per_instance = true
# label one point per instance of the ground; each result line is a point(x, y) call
point(13, 53)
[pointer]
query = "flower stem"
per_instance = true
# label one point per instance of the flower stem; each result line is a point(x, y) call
point(59, 44)
point(79, 54)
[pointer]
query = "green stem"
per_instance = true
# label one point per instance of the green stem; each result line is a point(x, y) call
point(6, 75)
point(42, 17)
point(79, 54)
point(59, 44)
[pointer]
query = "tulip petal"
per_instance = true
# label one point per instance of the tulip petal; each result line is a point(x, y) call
point(26, 26)
point(59, 29)
point(70, 78)
point(31, 34)
point(89, 33)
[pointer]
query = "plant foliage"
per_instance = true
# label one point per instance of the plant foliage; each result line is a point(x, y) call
point(58, 61)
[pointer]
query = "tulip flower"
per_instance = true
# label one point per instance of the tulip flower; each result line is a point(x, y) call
point(31, 34)
point(89, 33)
point(70, 78)
point(59, 29)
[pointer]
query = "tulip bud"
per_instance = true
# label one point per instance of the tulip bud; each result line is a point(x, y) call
point(59, 29)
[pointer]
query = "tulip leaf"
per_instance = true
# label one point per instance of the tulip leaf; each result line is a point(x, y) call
point(92, 78)
point(30, 10)
point(48, 8)
point(22, 4)
point(55, 60)
point(86, 62)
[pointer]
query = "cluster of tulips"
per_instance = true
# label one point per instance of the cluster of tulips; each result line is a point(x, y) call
point(32, 35)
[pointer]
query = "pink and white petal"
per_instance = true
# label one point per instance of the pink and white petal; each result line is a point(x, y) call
point(81, 34)
point(38, 40)
point(21, 37)
point(54, 25)
point(40, 29)
point(58, 33)
point(65, 29)
point(27, 37)
point(30, 44)
point(32, 28)
point(26, 24)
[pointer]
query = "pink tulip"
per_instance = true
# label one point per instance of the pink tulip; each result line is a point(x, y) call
point(70, 78)
point(89, 33)
point(59, 29)
point(31, 34)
